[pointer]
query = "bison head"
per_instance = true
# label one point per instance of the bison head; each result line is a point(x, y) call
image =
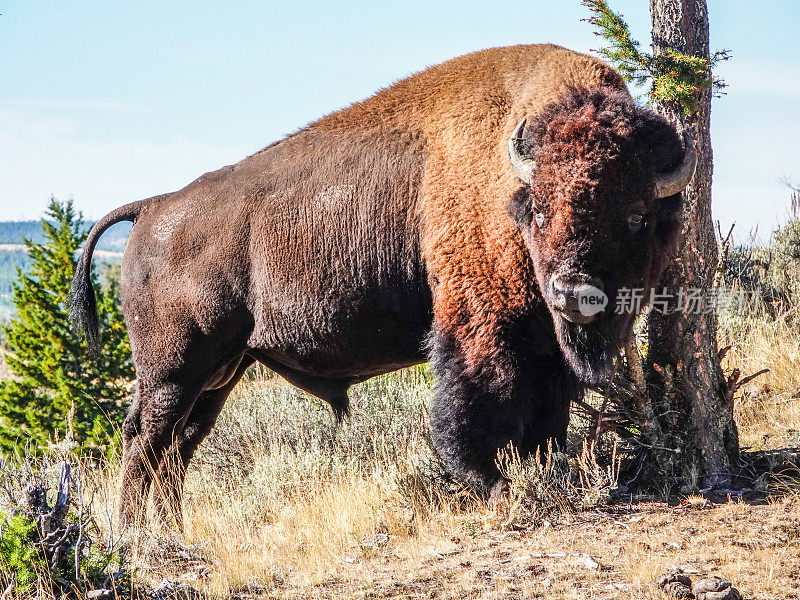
point(600, 213)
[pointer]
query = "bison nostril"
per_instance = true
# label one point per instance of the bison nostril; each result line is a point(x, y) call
point(564, 294)
point(570, 293)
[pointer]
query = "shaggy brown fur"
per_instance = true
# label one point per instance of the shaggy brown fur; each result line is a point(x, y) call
point(466, 109)
point(332, 255)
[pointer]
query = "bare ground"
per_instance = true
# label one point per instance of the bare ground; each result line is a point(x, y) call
point(615, 552)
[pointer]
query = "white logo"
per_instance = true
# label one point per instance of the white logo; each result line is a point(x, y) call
point(591, 300)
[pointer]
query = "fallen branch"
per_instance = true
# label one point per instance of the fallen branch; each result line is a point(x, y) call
point(750, 378)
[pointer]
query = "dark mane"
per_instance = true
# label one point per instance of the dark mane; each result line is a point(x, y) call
point(597, 124)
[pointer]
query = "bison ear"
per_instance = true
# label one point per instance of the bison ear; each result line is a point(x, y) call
point(520, 208)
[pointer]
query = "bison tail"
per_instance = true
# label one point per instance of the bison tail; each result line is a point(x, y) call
point(82, 302)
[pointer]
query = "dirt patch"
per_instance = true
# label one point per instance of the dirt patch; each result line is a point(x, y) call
point(612, 553)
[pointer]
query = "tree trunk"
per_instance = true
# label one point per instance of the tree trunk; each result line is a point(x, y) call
point(694, 429)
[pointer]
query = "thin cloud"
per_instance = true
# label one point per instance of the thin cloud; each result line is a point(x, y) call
point(44, 156)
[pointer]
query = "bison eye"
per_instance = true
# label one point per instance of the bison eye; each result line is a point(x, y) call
point(539, 216)
point(635, 221)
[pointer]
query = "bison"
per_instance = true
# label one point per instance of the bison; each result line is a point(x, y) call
point(457, 216)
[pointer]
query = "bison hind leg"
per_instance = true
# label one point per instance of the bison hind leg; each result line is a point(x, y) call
point(157, 411)
point(171, 474)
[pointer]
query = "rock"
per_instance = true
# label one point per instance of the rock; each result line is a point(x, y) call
point(678, 589)
point(375, 541)
point(676, 584)
point(102, 593)
point(712, 584)
point(173, 589)
point(587, 562)
point(715, 588)
point(673, 577)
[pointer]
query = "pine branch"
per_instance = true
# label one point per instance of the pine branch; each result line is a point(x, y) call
point(623, 51)
point(676, 79)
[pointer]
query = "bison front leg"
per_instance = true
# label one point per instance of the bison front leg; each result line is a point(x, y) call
point(522, 397)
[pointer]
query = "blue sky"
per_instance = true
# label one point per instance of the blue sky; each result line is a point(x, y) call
point(109, 102)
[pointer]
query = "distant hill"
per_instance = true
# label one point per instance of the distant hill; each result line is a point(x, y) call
point(13, 232)
point(13, 256)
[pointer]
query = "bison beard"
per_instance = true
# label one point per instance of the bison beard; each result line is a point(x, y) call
point(332, 255)
point(589, 349)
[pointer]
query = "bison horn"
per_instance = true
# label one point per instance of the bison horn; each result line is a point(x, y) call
point(522, 165)
point(669, 184)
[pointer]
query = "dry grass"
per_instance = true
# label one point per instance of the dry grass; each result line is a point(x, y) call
point(309, 510)
point(304, 494)
point(282, 502)
point(768, 408)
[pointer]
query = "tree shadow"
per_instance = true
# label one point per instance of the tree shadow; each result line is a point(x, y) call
point(766, 475)
point(759, 477)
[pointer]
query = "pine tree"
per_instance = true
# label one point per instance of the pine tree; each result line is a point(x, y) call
point(57, 390)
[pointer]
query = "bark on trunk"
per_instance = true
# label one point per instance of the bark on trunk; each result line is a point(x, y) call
point(694, 425)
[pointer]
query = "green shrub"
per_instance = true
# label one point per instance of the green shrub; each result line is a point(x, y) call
point(785, 264)
point(56, 387)
point(764, 281)
point(20, 557)
point(50, 543)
